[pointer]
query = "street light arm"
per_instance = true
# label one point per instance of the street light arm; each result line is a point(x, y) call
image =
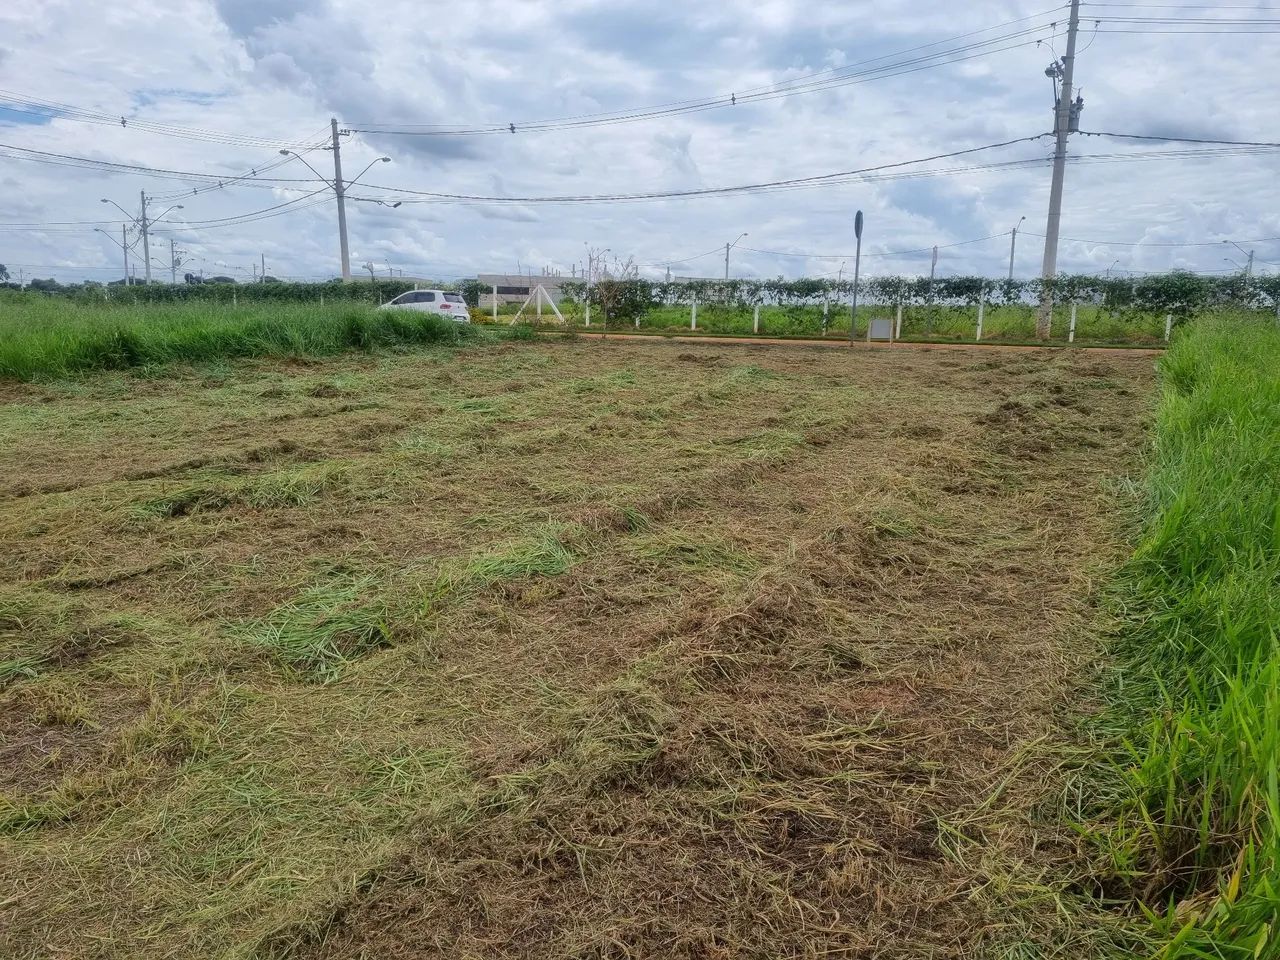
point(132, 218)
point(159, 219)
point(298, 156)
point(352, 181)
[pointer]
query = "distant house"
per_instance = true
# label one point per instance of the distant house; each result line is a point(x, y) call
point(515, 288)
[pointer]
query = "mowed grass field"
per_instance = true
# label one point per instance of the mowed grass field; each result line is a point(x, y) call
point(556, 649)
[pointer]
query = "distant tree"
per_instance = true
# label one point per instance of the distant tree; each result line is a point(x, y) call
point(45, 286)
point(192, 278)
point(221, 280)
point(270, 279)
point(4, 272)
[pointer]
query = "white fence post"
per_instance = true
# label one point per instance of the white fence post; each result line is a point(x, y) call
point(1071, 331)
point(755, 320)
point(495, 303)
point(826, 309)
point(693, 315)
point(322, 298)
point(982, 309)
point(1168, 326)
point(539, 303)
point(235, 302)
point(897, 333)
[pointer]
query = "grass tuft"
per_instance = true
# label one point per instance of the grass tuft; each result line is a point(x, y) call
point(330, 626)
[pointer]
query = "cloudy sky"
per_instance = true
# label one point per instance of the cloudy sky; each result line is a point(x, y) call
point(218, 87)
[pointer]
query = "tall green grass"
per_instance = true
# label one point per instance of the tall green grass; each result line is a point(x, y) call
point(1195, 828)
point(50, 337)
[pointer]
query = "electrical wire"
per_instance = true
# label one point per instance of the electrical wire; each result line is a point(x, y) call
point(703, 191)
point(26, 103)
point(1205, 140)
point(883, 253)
point(837, 78)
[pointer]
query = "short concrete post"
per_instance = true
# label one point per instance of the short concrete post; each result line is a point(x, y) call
point(693, 315)
point(755, 320)
point(495, 304)
point(897, 330)
point(1071, 330)
point(538, 297)
point(826, 310)
point(322, 299)
point(235, 302)
point(1168, 326)
point(982, 311)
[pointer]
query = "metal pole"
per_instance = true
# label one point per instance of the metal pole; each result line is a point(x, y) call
point(1248, 269)
point(262, 274)
point(726, 261)
point(1062, 124)
point(340, 190)
point(857, 264)
point(124, 245)
point(173, 263)
point(146, 244)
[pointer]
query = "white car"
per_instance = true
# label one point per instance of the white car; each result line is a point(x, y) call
point(440, 302)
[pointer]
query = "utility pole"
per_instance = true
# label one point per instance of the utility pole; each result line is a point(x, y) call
point(264, 268)
point(173, 262)
point(727, 248)
point(340, 189)
point(124, 245)
point(1013, 245)
point(146, 245)
point(1066, 120)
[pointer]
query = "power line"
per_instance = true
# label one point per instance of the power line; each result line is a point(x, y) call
point(838, 77)
point(1204, 140)
point(703, 191)
point(885, 253)
point(53, 109)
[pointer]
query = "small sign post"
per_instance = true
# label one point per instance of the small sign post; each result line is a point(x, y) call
point(857, 263)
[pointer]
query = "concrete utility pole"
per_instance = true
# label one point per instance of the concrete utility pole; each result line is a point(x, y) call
point(173, 262)
point(263, 274)
point(124, 245)
point(1248, 268)
point(1066, 119)
point(339, 188)
point(1013, 245)
point(727, 248)
point(146, 245)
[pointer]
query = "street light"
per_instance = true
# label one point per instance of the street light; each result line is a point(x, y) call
point(122, 243)
point(1013, 245)
point(1235, 264)
point(339, 188)
point(727, 248)
point(1112, 267)
point(142, 223)
point(1248, 268)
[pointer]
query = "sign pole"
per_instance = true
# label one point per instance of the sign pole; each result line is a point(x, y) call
point(857, 263)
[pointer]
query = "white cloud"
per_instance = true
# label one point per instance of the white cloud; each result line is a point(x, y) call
point(279, 69)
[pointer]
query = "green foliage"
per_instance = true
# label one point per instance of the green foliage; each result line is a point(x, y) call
point(53, 337)
point(1179, 293)
point(1198, 816)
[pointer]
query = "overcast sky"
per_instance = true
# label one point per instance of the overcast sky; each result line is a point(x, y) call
point(261, 73)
